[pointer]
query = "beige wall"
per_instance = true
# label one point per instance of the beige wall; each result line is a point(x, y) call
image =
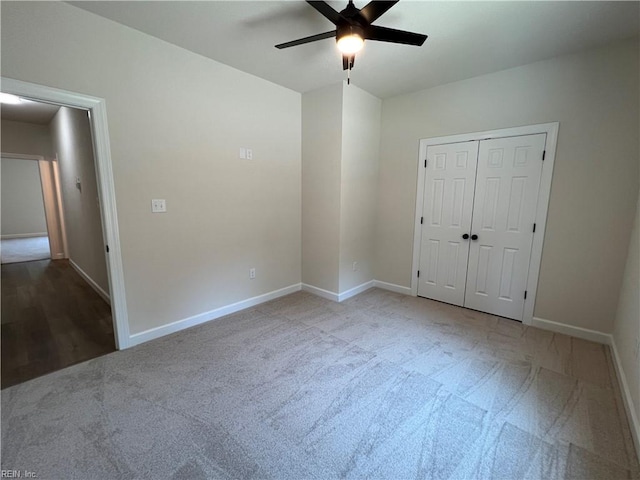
point(26, 138)
point(359, 184)
point(626, 332)
point(176, 122)
point(22, 202)
point(321, 163)
point(594, 96)
point(71, 134)
point(340, 142)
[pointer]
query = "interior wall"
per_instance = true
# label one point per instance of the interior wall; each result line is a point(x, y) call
point(361, 113)
point(26, 138)
point(626, 332)
point(176, 122)
point(22, 201)
point(321, 164)
point(71, 135)
point(595, 96)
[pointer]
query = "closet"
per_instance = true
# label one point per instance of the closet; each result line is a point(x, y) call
point(478, 222)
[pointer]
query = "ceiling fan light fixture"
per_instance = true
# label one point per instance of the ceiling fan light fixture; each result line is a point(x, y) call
point(350, 44)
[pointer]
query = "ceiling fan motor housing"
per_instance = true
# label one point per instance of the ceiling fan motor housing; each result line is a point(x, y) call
point(346, 29)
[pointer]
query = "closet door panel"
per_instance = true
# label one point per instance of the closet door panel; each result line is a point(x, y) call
point(447, 208)
point(505, 203)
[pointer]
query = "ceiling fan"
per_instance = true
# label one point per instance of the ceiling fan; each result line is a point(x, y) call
point(354, 26)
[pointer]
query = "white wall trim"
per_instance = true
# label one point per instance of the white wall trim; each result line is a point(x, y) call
point(579, 332)
point(63, 225)
point(98, 118)
point(355, 291)
point(92, 283)
point(321, 292)
point(24, 235)
point(634, 423)
point(50, 191)
point(204, 317)
point(339, 297)
point(392, 287)
point(544, 192)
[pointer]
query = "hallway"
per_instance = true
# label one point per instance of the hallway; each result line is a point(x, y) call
point(51, 318)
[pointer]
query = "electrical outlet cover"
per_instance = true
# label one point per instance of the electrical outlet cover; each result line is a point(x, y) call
point(158, 205)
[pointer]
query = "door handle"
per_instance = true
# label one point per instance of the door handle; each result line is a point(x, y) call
point(474, 237)
point(465, 236)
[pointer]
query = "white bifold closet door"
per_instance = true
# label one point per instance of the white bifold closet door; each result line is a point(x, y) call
point(447, 208)
point(479, 207)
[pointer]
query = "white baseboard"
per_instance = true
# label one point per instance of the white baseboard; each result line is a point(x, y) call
point(579, 332)
point(57, 256)
point(153, 333)
point(23, 235)
point(339, 297)
point(392, 287)
point(634, 424)
point(91, 282)
point(320, 292)
point(355, 291)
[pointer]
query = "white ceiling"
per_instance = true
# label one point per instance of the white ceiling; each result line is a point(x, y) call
point(466, 39)
point(29, 112)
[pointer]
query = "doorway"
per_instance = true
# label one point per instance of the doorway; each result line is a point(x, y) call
point(55, 295)
point(96, 110)
point(481, 211)
point(25, 235)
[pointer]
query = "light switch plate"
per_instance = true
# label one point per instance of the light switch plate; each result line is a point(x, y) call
point(243, 153)
point(158, 205)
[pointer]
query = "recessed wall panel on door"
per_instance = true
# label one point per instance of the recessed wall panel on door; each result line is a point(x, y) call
point(447, 208)
point(506, 193)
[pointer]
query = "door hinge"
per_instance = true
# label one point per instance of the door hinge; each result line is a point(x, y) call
point(544, 154)
point(525, 294)
point(107, 247)
point(534, 228)
point(421, 220)
point(425, 163)
point(418, 273)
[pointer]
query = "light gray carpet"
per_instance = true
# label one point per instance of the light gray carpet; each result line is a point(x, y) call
point(382, 386)
point(14, 250)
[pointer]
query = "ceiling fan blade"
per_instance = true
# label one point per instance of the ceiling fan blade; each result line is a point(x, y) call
point(375, 9)
point(346, 60)
point(304, 40)
point(329, 13)
point(384, 34)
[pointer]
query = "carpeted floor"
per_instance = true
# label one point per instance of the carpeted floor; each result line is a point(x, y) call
point(382, 386)
point(14, 250)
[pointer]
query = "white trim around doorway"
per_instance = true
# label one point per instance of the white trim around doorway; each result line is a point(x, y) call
point(104, 172)
point(551, 129)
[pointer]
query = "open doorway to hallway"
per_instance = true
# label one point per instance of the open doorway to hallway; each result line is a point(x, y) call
point(25, 234)
point(56, 310)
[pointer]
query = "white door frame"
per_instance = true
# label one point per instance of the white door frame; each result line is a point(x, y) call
point(99, 129)
point(551, 129)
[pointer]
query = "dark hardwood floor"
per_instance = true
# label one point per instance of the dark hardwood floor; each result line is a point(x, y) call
point(51, 318)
